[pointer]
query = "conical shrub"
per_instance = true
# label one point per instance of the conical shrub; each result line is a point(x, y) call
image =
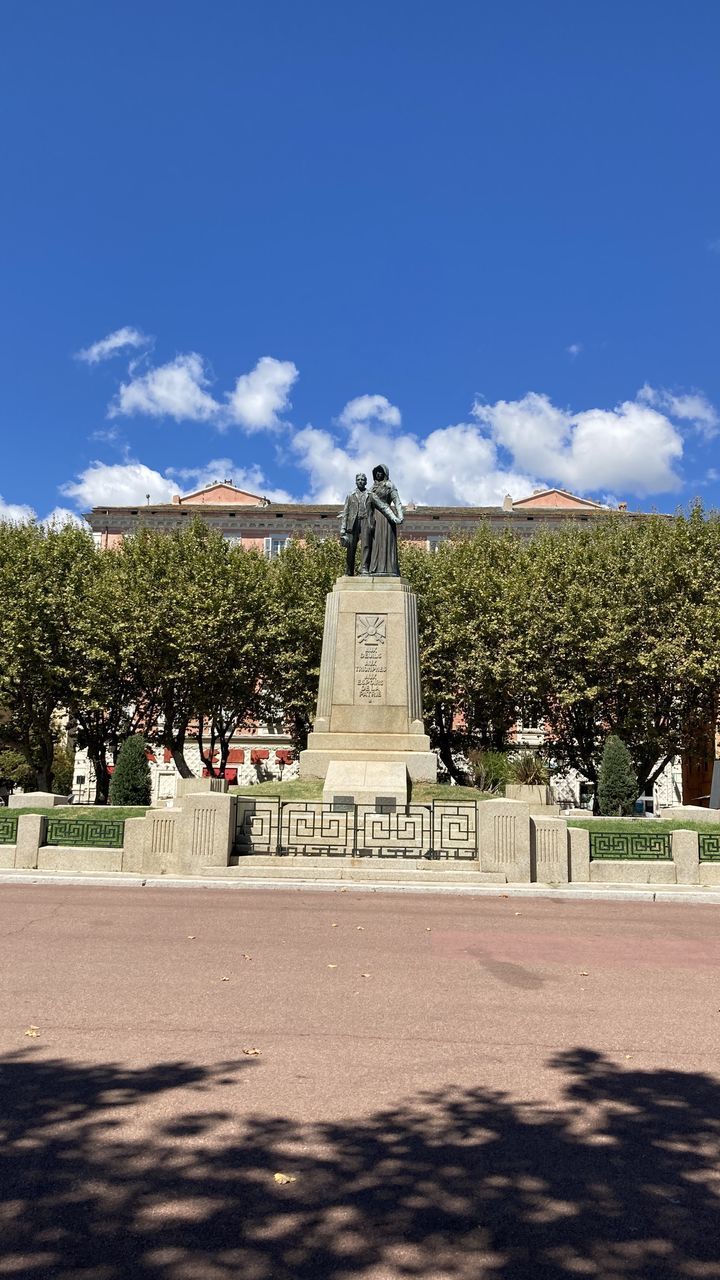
point(131, 783)
point(617, 783)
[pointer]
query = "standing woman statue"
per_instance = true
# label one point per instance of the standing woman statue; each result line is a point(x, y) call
point(384, 555)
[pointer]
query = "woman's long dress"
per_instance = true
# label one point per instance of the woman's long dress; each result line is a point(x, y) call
point(384, 556)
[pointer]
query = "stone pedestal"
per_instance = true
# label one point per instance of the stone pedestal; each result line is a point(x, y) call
point(369, 706)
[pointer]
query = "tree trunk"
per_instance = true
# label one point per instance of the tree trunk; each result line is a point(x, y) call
point(444, 742)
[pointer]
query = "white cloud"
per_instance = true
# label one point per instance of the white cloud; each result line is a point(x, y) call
point(261, 395)
point(15, 512)
point(113, 344)
point(454, 465)
point(368, 409)
point(118, 484)
point(251, 479)
point(692, 407)
point(61, 516)
point(632, 448)
point(173, 390)
point(574, 349)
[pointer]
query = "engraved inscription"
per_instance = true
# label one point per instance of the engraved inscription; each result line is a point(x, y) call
point(370, 661)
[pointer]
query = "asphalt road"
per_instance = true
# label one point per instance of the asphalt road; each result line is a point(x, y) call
point(263, 1084)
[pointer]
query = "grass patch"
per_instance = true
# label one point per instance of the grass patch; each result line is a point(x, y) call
point(642, 826)
point(312, 789)
point(87, 811)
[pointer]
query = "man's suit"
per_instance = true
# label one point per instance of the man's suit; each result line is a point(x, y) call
point(357, 525)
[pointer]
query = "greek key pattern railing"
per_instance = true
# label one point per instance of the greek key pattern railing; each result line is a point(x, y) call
point(645, 846)
point(306, 828)
point(8, 828)
point(709, 847)
point(93, 833)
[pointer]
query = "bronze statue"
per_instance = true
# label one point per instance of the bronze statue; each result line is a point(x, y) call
point(356, 525)
point(371, 518)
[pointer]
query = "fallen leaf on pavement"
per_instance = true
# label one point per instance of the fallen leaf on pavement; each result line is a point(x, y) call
point(333, 926)
point(282, 1178)
point(332, 966)
point(33, 1032)
point(251, 1053)
point(360, 927)
point(224, 979)
point(584, 973)
point(246, 956)
point(190, 937)
point(364, 975)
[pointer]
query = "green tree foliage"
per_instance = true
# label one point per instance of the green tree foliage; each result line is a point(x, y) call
point(130, 782)
point(617, 783)
point(589, 630)
point(15, 771)
point(37, 602)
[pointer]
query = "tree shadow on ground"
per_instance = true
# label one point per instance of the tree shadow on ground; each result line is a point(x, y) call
point(620, 1180)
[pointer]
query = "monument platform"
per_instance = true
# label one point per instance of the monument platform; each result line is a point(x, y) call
point(369, 706)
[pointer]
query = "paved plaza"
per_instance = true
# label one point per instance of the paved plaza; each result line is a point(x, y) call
point(263, 1084)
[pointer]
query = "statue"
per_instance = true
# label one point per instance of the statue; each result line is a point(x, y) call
point(356, 525)
point(371, 518)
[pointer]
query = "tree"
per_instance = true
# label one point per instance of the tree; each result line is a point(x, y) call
point(299, 580)
point(617, 783)
point(37, 570)
point(467, 633)
point(131, 779)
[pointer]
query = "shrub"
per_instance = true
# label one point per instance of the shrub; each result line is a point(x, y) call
point(16, 771)
point(130, 783)
point(63, 768)
point(617, 782)
point(528, 769)
point(490, 769)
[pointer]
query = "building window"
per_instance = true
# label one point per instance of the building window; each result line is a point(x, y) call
point(274, 545)
point(434, 542)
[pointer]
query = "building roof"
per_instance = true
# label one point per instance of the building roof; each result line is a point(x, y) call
point(560, 499)
point(221, 492)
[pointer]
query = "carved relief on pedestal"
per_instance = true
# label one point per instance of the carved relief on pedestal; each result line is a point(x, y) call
point(370, 658)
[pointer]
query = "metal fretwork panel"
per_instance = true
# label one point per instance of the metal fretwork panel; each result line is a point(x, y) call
point(309, 828)
point(649, 846)
point(91, 833)
point(709, 847)
point(455, 830)
point(8, 828)
point(406, 833)
point(257, 826)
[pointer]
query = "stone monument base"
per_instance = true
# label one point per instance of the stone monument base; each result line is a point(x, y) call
point(369, 706)
point(372, 782)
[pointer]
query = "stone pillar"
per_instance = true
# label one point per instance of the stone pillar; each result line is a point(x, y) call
point(161, 846)
point(30, 835)
point(133, 844)
point(207, 830)
point(549, 853)
point(505, 838)
point(579, 853)
point(686, 856)
point(369, 706)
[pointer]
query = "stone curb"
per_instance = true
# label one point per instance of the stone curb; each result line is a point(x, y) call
point(692, 894)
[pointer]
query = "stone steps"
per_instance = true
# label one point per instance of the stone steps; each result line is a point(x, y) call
point(398, 870)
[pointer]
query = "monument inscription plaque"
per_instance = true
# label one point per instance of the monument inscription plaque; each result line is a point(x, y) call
point(370, 662)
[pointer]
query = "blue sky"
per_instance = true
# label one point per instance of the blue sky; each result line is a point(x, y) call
point(478, 241)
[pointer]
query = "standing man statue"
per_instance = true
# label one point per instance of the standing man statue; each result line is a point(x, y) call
point(357, 524)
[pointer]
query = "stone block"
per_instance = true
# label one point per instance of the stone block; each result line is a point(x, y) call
point(421, 765)
point(196, 786)
point(505, 838)
point(30, 835)
point(579, 840)
point(609, 871)
point(686, 856)
point(133, 844)
point(36, 800)
point(549, 854)
point(206, 831)
point(366, 782)
point(689, 813)
point(67, 858)
point(710, 874)
point(7, 857)
point(530, 794)
point(161, 843)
